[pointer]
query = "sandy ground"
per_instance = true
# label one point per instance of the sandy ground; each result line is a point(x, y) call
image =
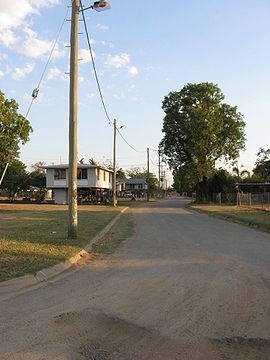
point(186, 286)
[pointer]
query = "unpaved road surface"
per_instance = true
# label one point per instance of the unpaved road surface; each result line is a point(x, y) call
point(186, 286)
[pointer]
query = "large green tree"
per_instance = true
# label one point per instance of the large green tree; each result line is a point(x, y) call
point(37, 177)
point(14, 128)
point(16, 178)
point(199, 129)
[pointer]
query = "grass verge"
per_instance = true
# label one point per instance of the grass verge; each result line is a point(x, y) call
point(120, 232)
point(33, 237)
point(251, 217)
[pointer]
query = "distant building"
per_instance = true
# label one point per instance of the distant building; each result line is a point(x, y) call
point(132, 186)
point(93, 181)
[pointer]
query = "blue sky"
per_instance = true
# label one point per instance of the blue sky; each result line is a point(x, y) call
point(143, 50)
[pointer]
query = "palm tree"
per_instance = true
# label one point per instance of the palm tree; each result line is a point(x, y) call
point(240, 174)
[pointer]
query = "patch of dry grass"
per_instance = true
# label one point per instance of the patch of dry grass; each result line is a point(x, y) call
point(245, 215)
point(33, 237)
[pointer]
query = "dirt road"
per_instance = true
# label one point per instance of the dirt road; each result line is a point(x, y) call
point(186, 286)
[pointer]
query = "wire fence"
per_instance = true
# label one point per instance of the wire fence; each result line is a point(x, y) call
point(257, 201)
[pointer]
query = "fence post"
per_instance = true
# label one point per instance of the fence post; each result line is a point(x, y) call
point(250, 199)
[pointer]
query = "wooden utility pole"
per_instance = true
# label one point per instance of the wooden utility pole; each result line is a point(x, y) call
point(73, 119)
point(148, 177)
point(114, 164)
point(159, 173)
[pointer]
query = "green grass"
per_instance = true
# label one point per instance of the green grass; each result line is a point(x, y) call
point(245, 215)
point(33, 237)
point(122, 231)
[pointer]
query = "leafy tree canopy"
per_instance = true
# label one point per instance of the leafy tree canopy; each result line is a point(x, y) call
point(14, 128)
point(199, 129)
point(120, 174)
point(262, 165)
point(16, 178)
point(37, 177)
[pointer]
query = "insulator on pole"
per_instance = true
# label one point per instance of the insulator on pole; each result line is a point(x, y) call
point(35, 93)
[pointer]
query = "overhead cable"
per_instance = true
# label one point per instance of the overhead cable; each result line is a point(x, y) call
point(36, 91)
point(97, 79)
point(139, 151)
point(94, 66)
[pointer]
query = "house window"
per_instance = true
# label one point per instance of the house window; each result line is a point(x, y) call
point(98, 174)
point(140, 186)
point(104, 175)
point(131, 186)
point(82, 174)
point(59, 174)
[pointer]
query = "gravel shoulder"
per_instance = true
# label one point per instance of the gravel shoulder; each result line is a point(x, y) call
point(184, 286)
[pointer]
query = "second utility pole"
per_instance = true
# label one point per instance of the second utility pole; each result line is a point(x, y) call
point(159, 171)
point(73, 119)
point(148, 177)
point(114, 164)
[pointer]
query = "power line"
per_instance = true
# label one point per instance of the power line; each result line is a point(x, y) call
point(35, 92)
point(139, 151)
point(94, 66)
point(153, 162)
point(98, 82)
point(52, 50)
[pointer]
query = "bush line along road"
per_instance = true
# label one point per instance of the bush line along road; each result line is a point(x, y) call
point(184, 286)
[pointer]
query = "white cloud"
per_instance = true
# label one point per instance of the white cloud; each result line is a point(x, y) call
point(108, 44)
point(54, 72)
point(121, 61)
point(20, 73)
point(92, 96)
point(119, 96)
point(14, 30)
point(35, 48)
point(132, 87)
point(84, 56)
point(3, 56)
point(8, 38)
point(5, 71)
point(133, 71)
point(102, 27)
point(117, 61)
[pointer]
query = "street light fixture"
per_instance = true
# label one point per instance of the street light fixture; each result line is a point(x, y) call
point(99, 6)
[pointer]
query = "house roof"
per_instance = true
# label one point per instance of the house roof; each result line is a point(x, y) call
point(80, 166)
point(133, 181)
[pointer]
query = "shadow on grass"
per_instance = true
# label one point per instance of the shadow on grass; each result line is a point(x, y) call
point(51, 228)
point(247, 216)
point(35, 240)
point(19, 258)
